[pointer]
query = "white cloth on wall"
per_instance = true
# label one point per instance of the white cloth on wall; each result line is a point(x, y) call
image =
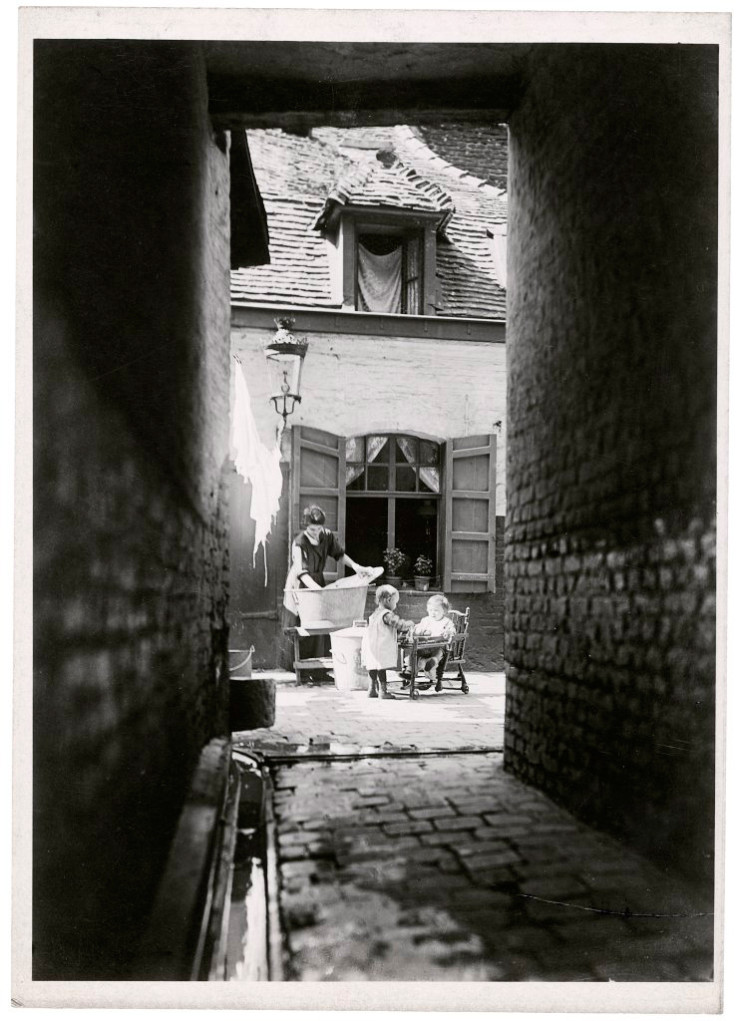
point(379, 280)
point(257, 464)
point(498, 241)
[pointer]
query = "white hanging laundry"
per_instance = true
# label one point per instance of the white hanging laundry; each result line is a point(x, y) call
point(379, 280)
point(257, 464)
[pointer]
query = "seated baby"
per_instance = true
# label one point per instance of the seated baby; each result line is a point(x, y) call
point(435, 625)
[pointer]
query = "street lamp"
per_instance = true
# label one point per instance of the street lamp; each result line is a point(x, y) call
point(285, 355)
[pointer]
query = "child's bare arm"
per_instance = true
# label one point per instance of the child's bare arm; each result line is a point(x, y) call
point(393, 620)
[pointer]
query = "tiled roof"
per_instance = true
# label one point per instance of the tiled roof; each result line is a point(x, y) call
point(371, 139)
point(297, 175)
point(481, 149)
point(287, 166)
point(465, 270)
point(298, 273)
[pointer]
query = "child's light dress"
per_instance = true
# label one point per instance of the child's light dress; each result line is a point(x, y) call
point(379, 648)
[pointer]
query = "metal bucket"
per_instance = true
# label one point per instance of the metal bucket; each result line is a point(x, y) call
point(240, 662)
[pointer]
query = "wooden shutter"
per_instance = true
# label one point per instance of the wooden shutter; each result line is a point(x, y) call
point(318, 476)
point(470, 514)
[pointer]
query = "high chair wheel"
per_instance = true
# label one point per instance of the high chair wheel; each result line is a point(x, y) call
point(415, 694)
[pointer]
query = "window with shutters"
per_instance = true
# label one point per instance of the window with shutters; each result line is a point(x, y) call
point(421, 496)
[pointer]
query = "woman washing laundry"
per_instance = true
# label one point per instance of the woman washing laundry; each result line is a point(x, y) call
point(310, 550)
point(313, 546)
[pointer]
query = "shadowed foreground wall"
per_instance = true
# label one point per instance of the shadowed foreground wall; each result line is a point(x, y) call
point(131, 363)
point(610, 635)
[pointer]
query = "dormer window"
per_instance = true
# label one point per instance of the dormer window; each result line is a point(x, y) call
point(389, 272)
point(386, 262)
point(382, 222)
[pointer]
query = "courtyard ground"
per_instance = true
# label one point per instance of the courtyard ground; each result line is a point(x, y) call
point(406, 852)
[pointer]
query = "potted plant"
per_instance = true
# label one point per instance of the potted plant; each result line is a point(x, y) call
point(395, 561)
point(422, 573)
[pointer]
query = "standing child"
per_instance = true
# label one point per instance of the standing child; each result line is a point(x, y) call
point(379, 649)
point(437, 625)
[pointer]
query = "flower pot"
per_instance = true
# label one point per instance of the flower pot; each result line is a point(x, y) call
point(421, 582)
point(393, 579)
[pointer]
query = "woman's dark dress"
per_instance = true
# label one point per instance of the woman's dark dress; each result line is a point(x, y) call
point(314, 559)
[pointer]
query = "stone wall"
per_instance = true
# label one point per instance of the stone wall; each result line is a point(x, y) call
point(610, 628)
point(131, 369)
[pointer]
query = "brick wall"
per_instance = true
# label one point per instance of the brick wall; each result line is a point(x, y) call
point(131, 363)
point(610, 556)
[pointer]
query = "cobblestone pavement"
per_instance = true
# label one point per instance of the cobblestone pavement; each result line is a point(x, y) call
point(321, 718)
point(448, 868)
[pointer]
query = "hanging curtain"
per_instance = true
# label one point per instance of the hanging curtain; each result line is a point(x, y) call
point(374, 446)
point(430, 476)
point(379, 280)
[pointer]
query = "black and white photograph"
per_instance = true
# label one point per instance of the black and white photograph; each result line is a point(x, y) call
point(371, 357)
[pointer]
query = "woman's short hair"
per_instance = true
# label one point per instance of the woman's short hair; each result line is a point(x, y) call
point(384, 595)
point(313, 515)
point(438, 597)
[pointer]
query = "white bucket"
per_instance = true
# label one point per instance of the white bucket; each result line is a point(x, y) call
point(349, 673)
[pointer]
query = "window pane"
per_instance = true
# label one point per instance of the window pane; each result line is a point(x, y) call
point(378, 449)
point(406, 450)
point(412, 277)
point(406, 479)
point(411, 298)
point(429, 480)
point(378, 478)
point(354, 448)
point(411, 269)
point(429, 453)
point(354, 476)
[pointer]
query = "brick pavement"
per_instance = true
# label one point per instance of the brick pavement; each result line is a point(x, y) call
point(313, 718)
point(396, 867)
point(449, 868)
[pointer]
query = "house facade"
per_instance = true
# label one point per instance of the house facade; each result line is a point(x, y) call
point(388, 259)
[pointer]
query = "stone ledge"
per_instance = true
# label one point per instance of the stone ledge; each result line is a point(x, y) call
point(169, 946)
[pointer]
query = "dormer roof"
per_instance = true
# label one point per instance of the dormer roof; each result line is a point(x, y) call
point(386, 182)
